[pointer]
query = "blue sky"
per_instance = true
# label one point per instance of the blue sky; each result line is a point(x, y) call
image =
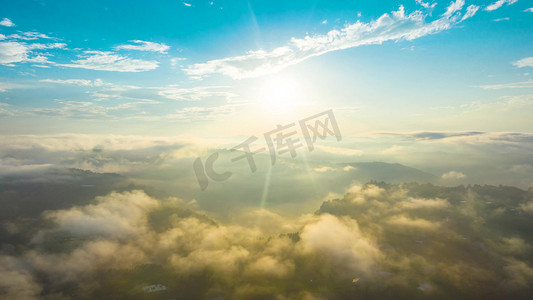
point(208, 67)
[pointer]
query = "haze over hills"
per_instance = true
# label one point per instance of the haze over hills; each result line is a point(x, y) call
point(380, 171)
point(29, 195)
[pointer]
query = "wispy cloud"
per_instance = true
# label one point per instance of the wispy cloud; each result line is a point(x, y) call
point(176, 60)
point(529, 9)
point(453, 175)
point(428, 135)
point(426, 4)
point(514, 85)
point(7, 22)
point(145, 46)
point(393, 149)
point(498, 4)
point(502, 19)
point(339, 151)
point(80, 82)
point(471, 137)
point(109, 61)
point(454, 7)
point(149, 93)
point(89, 110)
point(389, 27)
point(5, 86)
point(470, 12)
point(29, 36)
point(524, 62)
point(198, 113)
point(4, 110)
point(38, 46)
point(195, 93)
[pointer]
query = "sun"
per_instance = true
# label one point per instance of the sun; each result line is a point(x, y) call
point(280, 95)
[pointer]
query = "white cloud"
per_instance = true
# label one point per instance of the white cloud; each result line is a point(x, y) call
point(324, 22)
point(524, 62)
point(12, 52)
point(91, 110)
point(195, 93)
point(83, 261)
point(324, 169)
point(389, 27)
point(160, 94)
point(5, 86)
point(423, 203)
point(514, 85)
point(501, 19)
point(187, 4)
point(453, 175)
point(115, 215)
point(470, 12)
point(252, 64)
point(145, 46)
point(339, 151)
point(29, 36)
point(7, 22)
point(393, 149)
point(348, 168)
point(498, 4)
point(403, 222)
point(341, 243)
point(81, 82)
point(426, 4)
point(39, 59)
point(454, 7)
point(203, 113)
point(4, 110)
point(38, 46)
point(270, 266)
point(109, 61)
point(529, 9)
point(175, 60)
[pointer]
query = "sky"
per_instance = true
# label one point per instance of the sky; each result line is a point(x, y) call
point(220, 68)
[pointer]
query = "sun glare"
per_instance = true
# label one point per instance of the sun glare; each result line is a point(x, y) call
point(280, 95)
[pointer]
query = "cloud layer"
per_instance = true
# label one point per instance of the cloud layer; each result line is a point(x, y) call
point(377, 240)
